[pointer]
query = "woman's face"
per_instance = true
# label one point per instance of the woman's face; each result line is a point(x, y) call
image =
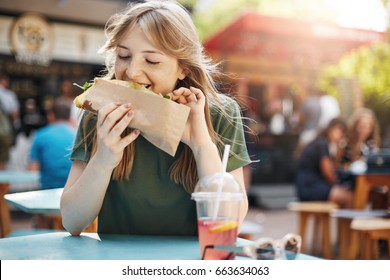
point(139, 61)
point(336, 134)
point(364, 128)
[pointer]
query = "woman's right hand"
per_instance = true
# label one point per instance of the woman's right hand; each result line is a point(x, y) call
point(112, 120)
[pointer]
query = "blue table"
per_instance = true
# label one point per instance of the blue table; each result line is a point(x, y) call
point(37, 202)
point(11, 176)
point(91, 246)
point(8, 177)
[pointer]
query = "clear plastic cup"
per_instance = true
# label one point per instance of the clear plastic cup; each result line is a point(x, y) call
point(218, 198)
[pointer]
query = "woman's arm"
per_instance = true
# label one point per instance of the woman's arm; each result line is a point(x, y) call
point(83, 195)
point(197, 137)
point(87, 183)
point(239, 175)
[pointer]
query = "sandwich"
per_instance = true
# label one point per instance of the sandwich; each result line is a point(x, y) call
point(160, 120)
point(81, 101)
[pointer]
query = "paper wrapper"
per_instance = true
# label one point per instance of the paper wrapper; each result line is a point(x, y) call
point(161, 121)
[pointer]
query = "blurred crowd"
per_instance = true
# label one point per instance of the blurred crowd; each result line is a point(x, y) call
point(46, 129)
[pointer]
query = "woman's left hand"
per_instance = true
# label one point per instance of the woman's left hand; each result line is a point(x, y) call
point(196, 131)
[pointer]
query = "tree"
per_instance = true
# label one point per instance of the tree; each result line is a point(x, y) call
point(218, 13)
point(371, 67)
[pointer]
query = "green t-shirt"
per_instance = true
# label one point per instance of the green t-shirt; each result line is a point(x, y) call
point(149, 202)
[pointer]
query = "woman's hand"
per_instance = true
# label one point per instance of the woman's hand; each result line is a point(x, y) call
point(196, 130)
point(112, 120)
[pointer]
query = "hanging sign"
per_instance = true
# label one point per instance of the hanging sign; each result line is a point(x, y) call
point(31, 39)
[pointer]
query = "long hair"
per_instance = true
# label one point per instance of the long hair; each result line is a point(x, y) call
point(170, 28)
point(353, 138)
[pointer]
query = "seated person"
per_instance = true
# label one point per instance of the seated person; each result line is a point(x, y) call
point(316, 175)
point(363, 135)
point(362, 139)
point(50, 150)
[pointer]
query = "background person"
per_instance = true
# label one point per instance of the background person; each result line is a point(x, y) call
point(131, 185)
point(308, 119)
point(51, 147)
point(5, 139)
point(10, 105)
point(67, 93)
point(330, 109)
point(316, 174)
point(363, 139)
point(363, 135)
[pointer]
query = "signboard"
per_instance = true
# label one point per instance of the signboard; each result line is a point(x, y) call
point(34, 40)
point(31, 39)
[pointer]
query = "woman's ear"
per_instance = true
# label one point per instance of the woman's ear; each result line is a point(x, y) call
point(183, 73)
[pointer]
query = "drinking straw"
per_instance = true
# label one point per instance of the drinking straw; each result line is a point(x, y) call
point(225, 158)
point(220, 183)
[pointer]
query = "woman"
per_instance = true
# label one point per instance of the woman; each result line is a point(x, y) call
point(363, 135)
point(132, 186)
point(316, 177)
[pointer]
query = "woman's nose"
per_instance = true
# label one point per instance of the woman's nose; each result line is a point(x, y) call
point(133, 70)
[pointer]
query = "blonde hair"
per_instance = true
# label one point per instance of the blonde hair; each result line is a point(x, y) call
point(170, 28)
point(353, 138)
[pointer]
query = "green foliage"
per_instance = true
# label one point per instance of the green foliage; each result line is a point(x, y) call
point(370, 65)
point(219, 13)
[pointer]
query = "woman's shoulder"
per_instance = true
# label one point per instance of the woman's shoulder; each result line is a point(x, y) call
point(223, 102)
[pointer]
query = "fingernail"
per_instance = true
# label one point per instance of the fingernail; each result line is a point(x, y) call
point(136, 131)
point(118, 103)
point(127, 105)
point(130, 113)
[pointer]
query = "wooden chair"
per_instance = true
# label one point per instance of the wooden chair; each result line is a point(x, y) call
point(347, 238)
point(370, 232)
point(5, 220)
point(319, 211)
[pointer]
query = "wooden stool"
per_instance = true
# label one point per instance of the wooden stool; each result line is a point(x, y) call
point(320, 211)
point(348, 239)
point(5, 220)
point(371, 231)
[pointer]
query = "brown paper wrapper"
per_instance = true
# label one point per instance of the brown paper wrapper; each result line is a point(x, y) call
point(161, 121)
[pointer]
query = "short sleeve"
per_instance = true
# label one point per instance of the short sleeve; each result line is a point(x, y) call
point(323, 148)
point(228, 125)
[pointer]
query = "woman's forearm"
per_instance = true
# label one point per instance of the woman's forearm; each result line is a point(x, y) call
point(208, 162)
point(83, 195)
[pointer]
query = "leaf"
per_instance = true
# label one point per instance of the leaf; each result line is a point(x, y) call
point(84, 87)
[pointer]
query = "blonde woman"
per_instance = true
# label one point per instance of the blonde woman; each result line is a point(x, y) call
point(363, 135)
point(129, 184)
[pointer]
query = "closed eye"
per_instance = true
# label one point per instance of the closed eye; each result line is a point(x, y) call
point(152, 62)
point(127, 57)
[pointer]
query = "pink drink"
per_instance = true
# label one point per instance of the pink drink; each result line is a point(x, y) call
point(216, 233)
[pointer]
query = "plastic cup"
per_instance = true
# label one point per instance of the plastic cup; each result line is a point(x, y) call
point(218, 198)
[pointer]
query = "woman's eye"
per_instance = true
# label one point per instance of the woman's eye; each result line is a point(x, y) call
point(152, 62)
point(124, 57)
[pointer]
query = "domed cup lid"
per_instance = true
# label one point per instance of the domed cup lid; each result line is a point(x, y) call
point(222, 185)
